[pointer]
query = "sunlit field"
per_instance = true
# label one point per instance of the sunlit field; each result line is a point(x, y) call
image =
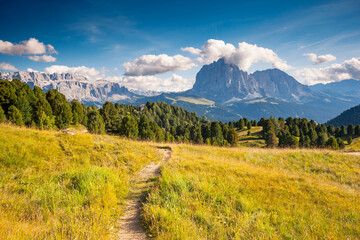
point(57, 186)
point(251, 193)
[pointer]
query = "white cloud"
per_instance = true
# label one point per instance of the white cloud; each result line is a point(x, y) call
point(175, 83)
point(43, 58)
point(7, 67)
point(31, 46)
point(89, 73)
point(31, 70)
point(244, 56)
point(320, 59)
point(336, 72)
point(156, 64)
point(192, 50)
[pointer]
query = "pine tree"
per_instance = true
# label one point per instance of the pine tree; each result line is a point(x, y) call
point(270, 139)
point(331, 129)
point(78, 111)
point(145, 131)
point(321, 140)
point(14, 116)
point(341, 143)
point(111, 116)
point(2, 115)
point(232, 137)
point(357, 130)
point(216, 133)
point(332, 143)
point(129, 127)
point(248, 125)
point(350, 129)
point(95, 122)
point(304, 141)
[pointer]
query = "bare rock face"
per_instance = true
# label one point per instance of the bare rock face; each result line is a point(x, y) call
point(74, 86)
point(224, 82)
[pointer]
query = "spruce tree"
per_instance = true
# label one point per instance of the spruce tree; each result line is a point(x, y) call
point(2, 115)
point(14, 116)
point(357, 130)
point(95, 122)
point(332, 143)
point(350, 129)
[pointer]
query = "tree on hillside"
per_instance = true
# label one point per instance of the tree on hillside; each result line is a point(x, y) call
point(322, 140)
point(249, 125)
point(60, 107)
point(95, 122)
point(78, 112)
point(331, 129)
point(350, 129)
point(7, 95)
point(341, 143)
point(216, 133)
point(270, 139)
point(332, 143)
point(2, 115)
point(205, 131)
point(232, 137)
point(129, 127)
point(145, 131)
point(111, 116)
point(241, 124)
point(304, 141)
point(357, 130)
point(14, 116)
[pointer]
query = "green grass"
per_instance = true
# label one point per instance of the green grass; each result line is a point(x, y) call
point(57, 186)
point(246, 193)
point(354, 146)
point(253, 140)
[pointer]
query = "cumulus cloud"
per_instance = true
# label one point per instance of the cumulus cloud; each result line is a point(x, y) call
point(320, 59)
point(89, 73)
point(155, 64)
point(349, 69)
point(243, 56)
point(43, 58)
point(31, 46)
point(7, 67)
point(175, 83)
point(31, 70)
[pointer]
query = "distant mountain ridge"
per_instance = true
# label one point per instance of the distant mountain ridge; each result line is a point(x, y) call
point(75, 86)
point(348, 87)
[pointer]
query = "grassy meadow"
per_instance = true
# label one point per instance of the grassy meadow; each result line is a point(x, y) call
point(55, 185)
point(252, 193)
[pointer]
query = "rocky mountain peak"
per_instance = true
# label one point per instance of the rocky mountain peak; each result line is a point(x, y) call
point(220, 81)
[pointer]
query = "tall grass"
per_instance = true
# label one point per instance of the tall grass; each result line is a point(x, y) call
point(57, 186)
point(229, 193)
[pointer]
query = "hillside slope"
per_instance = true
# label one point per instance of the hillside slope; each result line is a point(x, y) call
point(55, 185)
point(350, 116)
point(232, 193)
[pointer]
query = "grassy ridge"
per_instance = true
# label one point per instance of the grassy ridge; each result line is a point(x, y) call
point(57, 186)
point(228, 193)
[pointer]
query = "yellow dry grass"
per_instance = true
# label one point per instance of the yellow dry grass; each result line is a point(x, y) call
point(251, 193)
point(55, 185)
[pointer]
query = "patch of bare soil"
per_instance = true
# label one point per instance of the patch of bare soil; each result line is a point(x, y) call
point(129, 225)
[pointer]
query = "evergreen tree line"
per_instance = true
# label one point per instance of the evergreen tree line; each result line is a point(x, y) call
point(161, 122)
point(297, 132)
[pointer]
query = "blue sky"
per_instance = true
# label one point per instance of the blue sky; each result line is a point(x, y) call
point(106, 34)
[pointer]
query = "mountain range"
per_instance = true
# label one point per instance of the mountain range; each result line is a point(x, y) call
point(221, 92)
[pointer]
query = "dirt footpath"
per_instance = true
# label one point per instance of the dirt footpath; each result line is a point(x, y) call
point(129, 225)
